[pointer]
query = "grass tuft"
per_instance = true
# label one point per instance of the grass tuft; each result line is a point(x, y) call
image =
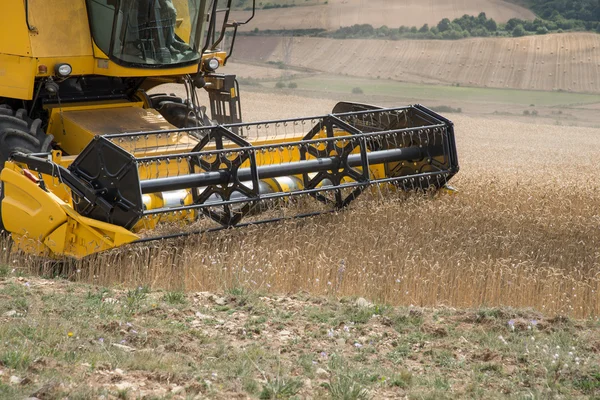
point(280, 388)
point(344, 387)
point(175, 298)
point(18, 359)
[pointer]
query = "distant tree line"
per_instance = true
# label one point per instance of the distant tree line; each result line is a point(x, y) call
point(583, 10)
point(284, 32)
point(470, 26)
point(246, 5)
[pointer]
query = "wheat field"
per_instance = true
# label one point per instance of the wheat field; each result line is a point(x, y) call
point(522, 231)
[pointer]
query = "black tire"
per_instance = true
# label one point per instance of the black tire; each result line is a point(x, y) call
point(19, 133)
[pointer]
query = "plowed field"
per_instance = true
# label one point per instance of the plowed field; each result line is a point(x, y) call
point(392, 13)
point(567, 62)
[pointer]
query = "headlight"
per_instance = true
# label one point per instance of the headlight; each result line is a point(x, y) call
point(63, 70)
point(212, 64)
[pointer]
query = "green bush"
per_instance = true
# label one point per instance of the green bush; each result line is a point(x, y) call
point(519, 31)
point(541, 30)
point(446, 109)
point(292, 85)
point(491, 25)
point(280, 85)
point(269, 5)
point(357, 90)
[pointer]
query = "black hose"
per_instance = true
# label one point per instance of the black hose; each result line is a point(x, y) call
point(29, 26)
point(35, 98)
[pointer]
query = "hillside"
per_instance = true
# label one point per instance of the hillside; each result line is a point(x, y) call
point(568, 62)
point(337, 13)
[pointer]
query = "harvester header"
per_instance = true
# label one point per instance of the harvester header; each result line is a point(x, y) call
point(213, 173)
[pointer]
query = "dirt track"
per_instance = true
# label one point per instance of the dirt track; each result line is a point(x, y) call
point(568, 62)
point(392, 13)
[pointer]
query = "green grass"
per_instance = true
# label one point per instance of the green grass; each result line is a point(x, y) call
point(174, 298)
point(280, 388)
point(71, 337)
point(345, 85)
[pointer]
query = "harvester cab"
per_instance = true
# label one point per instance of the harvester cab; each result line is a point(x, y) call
point(91, 161)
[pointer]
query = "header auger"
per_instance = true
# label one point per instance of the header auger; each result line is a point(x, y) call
point(124, 164)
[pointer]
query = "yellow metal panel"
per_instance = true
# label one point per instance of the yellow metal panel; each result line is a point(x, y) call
point(74, 126)
point(17, 75)
point(14, 35)
point(56, 240)
point(95, 105)
point(85, 236)
point(118, 120)
point(27, 209)
point(103, 66)
point(99, 54)
point(41, 223)
point(63, 28)
point(109, 68)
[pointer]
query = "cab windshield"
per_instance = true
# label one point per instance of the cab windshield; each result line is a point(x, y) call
point(148, 33)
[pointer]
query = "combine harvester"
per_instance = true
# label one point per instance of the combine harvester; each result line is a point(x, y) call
point(92, 162)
